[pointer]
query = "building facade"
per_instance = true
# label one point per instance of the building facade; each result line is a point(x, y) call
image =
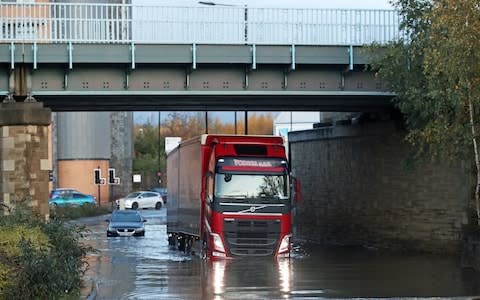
point(84, 142)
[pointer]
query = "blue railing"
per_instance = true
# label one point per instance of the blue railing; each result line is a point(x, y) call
point(127, 23)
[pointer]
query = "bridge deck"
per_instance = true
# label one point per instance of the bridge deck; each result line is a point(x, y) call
point(136, 57)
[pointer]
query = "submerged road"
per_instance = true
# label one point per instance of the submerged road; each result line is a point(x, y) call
point(146, 268)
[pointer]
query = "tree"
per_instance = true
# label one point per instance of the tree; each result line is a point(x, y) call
point(150, 155)
point(260, 124)
point(452, 69)
point(434, 71)
point(146, 147)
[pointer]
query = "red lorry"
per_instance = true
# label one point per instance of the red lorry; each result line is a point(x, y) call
point(230, 196)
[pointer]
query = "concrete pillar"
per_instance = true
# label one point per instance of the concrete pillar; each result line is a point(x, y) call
point(24, 156)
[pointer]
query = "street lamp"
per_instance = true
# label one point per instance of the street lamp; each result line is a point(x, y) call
point(159, 144)
point(213, 3)
point(245, 10)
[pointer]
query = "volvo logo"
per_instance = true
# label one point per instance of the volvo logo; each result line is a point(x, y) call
point(252, 209)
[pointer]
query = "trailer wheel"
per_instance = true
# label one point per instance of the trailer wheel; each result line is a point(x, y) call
point(203, 250)
point(171, 239)
point(188, 244)
point(181, 242)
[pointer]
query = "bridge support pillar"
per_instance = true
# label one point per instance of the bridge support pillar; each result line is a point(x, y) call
point(25, 164)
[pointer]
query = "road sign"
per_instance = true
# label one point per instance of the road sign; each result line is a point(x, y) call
point(137, 178)
point(111, 177)
point(97, 176)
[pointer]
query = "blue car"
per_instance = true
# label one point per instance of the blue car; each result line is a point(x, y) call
point(72, 199)
point(62, 191)
point(126, 223)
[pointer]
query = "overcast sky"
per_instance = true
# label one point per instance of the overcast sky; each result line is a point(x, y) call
point(379, 4)
point(367, 4)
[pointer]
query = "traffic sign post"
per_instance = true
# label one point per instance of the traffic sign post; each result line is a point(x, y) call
point(98, 180)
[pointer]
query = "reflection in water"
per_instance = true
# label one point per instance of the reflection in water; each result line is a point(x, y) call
point(284, 272)
point(145, 268)
point(218, 274)
point(246, 279)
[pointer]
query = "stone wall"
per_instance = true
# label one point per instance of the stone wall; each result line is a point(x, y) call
point(122, 152)
point(24, 156)
point(356, 190)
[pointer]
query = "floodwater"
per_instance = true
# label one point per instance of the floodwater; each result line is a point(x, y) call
point(146, 268)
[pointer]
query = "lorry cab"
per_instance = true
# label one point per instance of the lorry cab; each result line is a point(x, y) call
point(245, 196)
point(247, 200)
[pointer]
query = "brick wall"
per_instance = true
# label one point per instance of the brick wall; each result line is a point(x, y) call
point(356, 190)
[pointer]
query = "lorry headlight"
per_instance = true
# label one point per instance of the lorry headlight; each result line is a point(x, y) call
point(285, 244)
point(218, 254)
point(217, 242)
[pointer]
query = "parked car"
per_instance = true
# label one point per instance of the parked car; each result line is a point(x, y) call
point(72, 199)
point(162, 191)
point(126, 223)
point(61, 191)
point(142, 199)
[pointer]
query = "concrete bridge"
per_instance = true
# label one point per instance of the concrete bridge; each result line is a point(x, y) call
point(100, 56)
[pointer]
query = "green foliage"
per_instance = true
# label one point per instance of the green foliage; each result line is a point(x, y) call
point(7, 280)
point(76, 212)
point(435, 72)
point(147, 147)
point(10, 236)
point(39, 260)
point(426, 70)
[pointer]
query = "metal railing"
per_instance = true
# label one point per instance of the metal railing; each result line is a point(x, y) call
point(127, 23)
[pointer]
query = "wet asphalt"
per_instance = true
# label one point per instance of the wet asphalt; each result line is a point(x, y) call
point(147, 268)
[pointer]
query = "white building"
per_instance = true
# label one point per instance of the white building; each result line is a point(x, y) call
point(294, 121)
point(302, 120)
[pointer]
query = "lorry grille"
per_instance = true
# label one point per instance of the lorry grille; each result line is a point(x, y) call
point(252, 237)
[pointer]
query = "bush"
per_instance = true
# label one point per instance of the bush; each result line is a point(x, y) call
point(76, 212)
point(40, 260)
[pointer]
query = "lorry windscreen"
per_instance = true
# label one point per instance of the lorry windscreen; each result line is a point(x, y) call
point(264, 188)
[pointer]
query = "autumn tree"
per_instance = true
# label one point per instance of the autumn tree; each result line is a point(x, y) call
point(150, 157)
point(184, 125)
point(434, 70)
point(258, 124)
